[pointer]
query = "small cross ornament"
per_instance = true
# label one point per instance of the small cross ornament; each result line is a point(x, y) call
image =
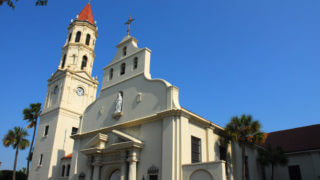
point(129, 23)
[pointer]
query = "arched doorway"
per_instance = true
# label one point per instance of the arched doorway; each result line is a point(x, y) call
point(201, 174)
point(115, 175)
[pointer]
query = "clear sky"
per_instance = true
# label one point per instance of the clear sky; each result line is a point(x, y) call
point(228, 57)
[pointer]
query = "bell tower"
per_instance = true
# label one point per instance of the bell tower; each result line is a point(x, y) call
point(71, 89)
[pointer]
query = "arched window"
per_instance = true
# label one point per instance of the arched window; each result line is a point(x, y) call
point(135, 63)
point(110, 73)
point(88, 39)
point(84, 62)
point(124, 51)
point(63, 62)
point(115, 175)
point(123, 68)
point(78, 36)
point(62, 170)
point(69, 37)
point(55, 90)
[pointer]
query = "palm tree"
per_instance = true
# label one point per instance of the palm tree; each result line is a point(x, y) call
point(272, 156)
point(244, 131)
point(31, 114)
point(17, 139)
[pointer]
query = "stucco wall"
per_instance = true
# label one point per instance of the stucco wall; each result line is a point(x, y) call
point(255, 171)
point(215, 169)
point(309, 163)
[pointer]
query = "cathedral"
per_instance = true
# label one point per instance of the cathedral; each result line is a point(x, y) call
point(135, 129)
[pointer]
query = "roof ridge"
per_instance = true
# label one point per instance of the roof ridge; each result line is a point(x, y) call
point(284, 130)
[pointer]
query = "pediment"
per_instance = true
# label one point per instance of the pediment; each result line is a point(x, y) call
point(56, 74)
point(97, 141)
point(82, 74)
point(114, 140)
point(125, 136)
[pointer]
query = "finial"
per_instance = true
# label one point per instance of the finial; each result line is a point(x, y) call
point(129, 23)
point(89, 1)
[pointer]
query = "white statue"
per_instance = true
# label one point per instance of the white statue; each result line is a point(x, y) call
point(118, 103)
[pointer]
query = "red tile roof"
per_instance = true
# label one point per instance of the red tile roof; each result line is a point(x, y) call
point(69, 156)
point(86, 14)
point(297, 139)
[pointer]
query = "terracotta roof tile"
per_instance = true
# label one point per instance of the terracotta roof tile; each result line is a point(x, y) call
point(69, 156)
point(297, 139)
point(86, 14)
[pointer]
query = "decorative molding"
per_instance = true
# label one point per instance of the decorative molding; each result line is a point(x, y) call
point(117, 115)
point(139, 97)
point(158, 116)
point(153, 170)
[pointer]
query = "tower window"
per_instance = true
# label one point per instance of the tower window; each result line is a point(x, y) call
point(46, 130)
point(55, 90)
point(74, 130)
point(69, 37)
point(110, 73)
point(63, 62)
point(40, 160)
point(68, 170)
point(62, 170)
point(123, 68)
point(78, 36)
point(124, 51)
point(88, 39)
point(195, 149)
point(135, 63)
point(84, 62)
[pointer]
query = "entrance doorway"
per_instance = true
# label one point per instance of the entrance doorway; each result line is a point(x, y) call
point(115, 175)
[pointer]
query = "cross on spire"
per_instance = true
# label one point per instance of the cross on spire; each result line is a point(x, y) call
point(129, 23)
point(89, 1)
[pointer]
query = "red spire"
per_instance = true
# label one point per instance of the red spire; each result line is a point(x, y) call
point(86, 14)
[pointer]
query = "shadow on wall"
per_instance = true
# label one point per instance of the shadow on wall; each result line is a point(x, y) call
point(56, 169)
point(224, 154)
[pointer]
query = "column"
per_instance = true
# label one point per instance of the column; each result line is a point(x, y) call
point(96, 168)
point(132, 159)
point(89, 170)
point(123, 168)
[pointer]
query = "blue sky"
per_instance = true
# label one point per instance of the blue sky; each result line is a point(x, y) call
point(228, 57)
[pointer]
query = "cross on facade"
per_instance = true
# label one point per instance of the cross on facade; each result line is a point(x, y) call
point(129, 23)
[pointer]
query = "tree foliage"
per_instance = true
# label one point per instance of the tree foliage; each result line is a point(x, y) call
point(17, 139)
point(31, 115)
point(12, 3)
point(272, 156)
point(246, 132)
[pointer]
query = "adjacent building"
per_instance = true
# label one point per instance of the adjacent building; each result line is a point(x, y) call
point(302, 147)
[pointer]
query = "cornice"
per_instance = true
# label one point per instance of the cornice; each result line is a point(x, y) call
point(46, 112)
point(84, 23)
point(65, 72)
point(77, 44)
point(129, 39)
point(158, 116)
point(192, 115)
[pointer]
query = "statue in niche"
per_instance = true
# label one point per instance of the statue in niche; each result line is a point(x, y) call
point(118, 104)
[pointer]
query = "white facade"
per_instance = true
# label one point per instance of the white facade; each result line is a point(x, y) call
point(144, 134)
